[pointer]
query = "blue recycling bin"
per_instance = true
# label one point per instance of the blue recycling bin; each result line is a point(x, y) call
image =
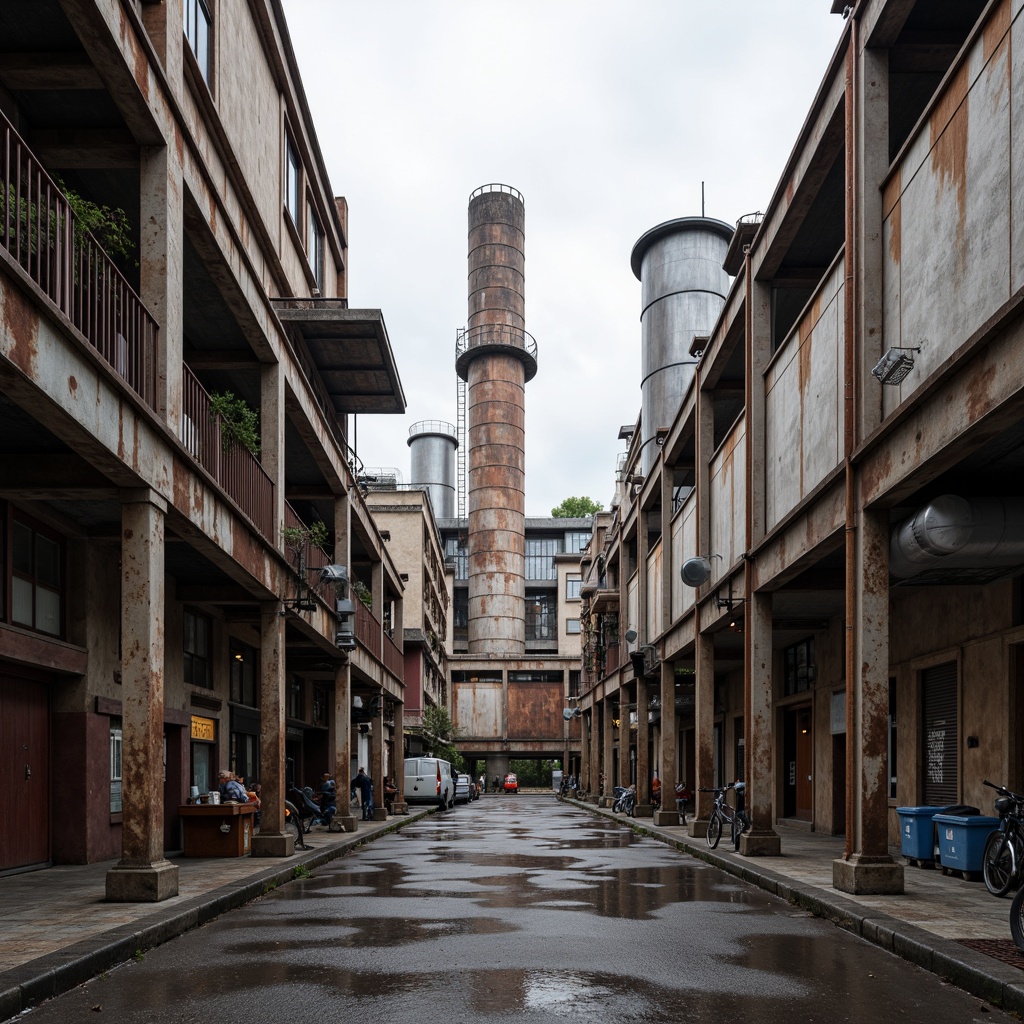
point(916, 832)
point(962, 841)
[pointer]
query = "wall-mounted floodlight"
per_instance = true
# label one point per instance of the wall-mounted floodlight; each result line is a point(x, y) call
point(695, 571)
point(631, 635)
point(334, 574)
point(894, 365)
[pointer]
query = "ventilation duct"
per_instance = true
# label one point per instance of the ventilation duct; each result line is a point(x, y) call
point(959, 540)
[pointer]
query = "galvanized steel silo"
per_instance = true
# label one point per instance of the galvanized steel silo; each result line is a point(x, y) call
point(432, 447)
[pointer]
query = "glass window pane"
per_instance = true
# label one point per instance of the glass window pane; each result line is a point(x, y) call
point(21, 601)
point(48, 611)
point(21, 542)
point(47, 561)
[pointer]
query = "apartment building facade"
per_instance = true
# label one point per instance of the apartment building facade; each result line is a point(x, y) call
point(811, 578)
point(176, 466)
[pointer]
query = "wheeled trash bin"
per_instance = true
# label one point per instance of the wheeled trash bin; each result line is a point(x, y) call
point(962, 842)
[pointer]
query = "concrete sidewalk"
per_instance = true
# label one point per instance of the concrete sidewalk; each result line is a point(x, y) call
point(952, 927)
point(57, 930)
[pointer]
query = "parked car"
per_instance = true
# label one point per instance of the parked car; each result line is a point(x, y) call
point(511, 783)
point(428, 780)
point(463, 789)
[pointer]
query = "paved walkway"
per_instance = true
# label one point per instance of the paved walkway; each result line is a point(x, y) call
point(58, 932)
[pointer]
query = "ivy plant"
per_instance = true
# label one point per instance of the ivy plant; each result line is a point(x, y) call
point(239, 424)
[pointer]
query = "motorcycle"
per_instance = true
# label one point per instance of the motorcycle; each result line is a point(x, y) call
point(625, 801)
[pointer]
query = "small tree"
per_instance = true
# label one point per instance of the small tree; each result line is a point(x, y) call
point(438, 727)
point(576, 508)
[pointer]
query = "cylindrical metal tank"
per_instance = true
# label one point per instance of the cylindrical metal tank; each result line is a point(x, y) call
point(432, 446)
point(496, 358)
point(683, 290)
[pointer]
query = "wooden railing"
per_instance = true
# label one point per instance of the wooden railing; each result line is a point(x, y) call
point(38, 229)
point(367, 629)
point(233, 466)
point(394, 660)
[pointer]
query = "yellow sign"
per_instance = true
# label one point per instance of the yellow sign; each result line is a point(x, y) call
point(204, 728)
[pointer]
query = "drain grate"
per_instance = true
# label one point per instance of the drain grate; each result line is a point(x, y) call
point(999, 949)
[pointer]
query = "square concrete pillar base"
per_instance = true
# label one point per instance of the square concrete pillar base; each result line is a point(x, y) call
point(760, 844)
point(400, 807)
point(644, 810)
point(336, 825)
point(666, 817)
point(698, 828)
point(604, 801)
point(380, 814)
point(868, 876)
point(267, 844)
point(151, 883)
point(349, 822)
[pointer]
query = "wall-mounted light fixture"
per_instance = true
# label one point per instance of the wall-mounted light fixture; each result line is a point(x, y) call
point(894, 365)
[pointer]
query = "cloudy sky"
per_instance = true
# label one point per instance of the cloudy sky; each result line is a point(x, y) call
point(607, 116)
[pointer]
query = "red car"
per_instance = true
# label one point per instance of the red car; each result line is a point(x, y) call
point(511, 783)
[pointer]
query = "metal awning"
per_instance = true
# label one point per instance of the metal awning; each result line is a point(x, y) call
point(351, 353)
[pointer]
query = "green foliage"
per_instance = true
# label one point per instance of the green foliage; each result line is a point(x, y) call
point(108, 225)
point(362, 591)
point(437, 724)
point(301, 871)
point(297, 536)
point(576, 508)
point(531, 773)
point(239, 424)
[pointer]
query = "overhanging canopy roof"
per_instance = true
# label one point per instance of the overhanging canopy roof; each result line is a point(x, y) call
point(350, 351)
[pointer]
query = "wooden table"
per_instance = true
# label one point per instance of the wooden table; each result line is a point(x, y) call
point(205, 833)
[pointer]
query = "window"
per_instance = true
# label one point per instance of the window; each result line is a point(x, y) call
point(456, 550)
point(541, 616)
point(37, 591)
point(292, 181)
point(296, 699)
point(577, 541)
point(315, 248)
point(799, 670)
point(574, 682)
point(572, 626)
point(540, 563)
point(197, 31)
point(243, 675)
point(196, 660)
point(572, 587)
point(115, 765)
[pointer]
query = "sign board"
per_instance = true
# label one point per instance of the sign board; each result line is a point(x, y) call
point(837, 717)
point(204, 729)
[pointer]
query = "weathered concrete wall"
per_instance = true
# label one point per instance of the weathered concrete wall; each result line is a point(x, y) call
point(655, 603)
point(535, 711)
point(728, 489)
point(684, 546)
point(803, 402)
point(949, 254)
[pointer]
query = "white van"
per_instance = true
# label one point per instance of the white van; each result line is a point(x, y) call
point(428, 780)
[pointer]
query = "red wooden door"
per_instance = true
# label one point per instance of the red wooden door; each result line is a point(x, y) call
point(24, 773)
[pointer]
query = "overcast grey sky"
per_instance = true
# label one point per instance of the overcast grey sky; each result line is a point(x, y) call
point(607, 116)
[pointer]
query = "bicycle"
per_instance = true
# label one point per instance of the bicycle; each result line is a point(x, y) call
point(1003, 859)
point(722, 813)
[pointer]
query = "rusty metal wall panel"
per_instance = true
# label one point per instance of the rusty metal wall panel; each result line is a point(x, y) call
point(535, 711)
point(652, 581)
point(477, 709)
point(684, 546)
point(803, 402)
point(728, 487)
point(948, 261)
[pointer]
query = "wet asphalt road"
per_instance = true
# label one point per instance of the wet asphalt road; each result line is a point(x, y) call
point(517, 909)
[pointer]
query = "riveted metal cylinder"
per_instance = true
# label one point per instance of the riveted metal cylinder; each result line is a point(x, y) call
point(497, 359)
point(683, 290)
point(432, 446)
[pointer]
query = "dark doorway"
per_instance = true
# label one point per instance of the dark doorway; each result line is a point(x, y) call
point(798, 755)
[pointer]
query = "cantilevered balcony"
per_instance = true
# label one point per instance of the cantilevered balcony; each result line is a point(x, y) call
point(39, 235)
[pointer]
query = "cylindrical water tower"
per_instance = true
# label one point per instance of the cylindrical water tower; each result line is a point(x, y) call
point(683, 290)
point(496, 357)
point(432, 446)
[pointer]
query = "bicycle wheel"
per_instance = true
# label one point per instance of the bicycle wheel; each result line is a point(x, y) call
point(998, 864)
point(714, 829)
point(1016, 922)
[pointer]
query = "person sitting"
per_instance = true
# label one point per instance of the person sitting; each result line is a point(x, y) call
point(231, 790)
point(390, 792)
point(656, 791)
point(683, 797)
point(328, 799)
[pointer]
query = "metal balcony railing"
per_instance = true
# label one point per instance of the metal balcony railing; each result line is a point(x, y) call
point(368, 631)
point(38, 230)
point(233, 466)
point(311, 558)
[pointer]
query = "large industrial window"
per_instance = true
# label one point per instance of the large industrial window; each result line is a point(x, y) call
point(197, 31)
point(196, 660)
point(455, 550)
point(541, 616)
point(540, 562)
point(292, 182)
point(37, 588)
point(577, 541)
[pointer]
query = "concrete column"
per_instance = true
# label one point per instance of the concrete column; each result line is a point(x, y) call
point(272, 840)
point(704, 733)
point(341, 727)
point(760, 779)
point(643, 760)
point(143, 875)
point(376, 765)
point(607, 716)
point(161, 267)
point(584, 776)
point(272, 436)
point(167, 42)
point(667, 815)
point(869, 868)
point(401, 807)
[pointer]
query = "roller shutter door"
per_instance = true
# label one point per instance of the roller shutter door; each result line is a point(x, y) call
point(940, 735)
